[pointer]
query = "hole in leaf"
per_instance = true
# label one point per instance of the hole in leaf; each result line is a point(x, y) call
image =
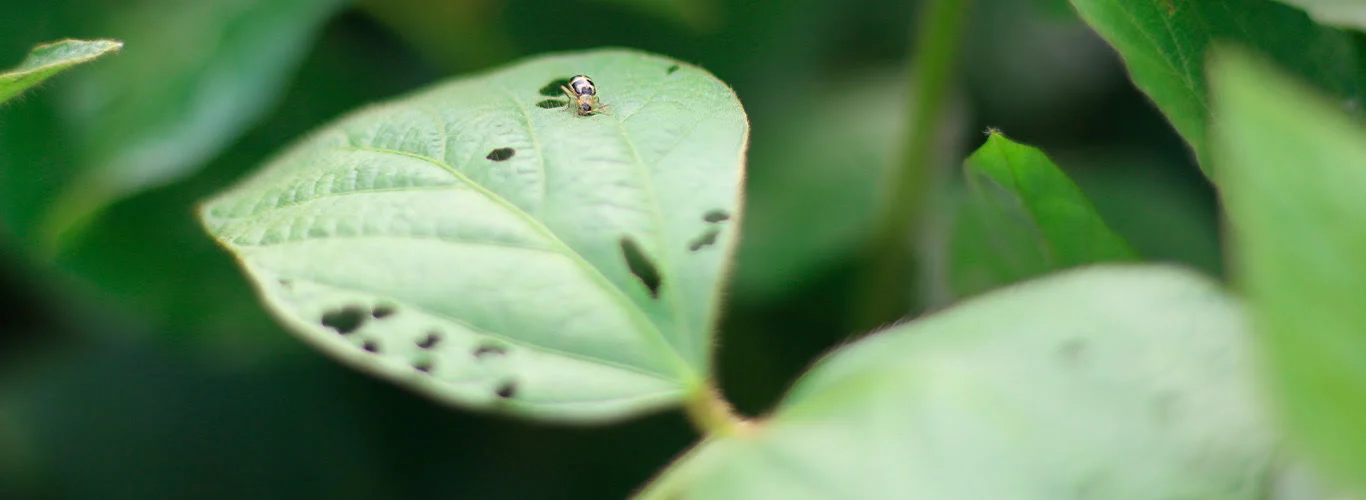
point(707, 239)
point(552, 104)
point(345, 320)
point(423, 366)
point(489, 350)
point(552, 89)
point(672, 69)
point(430, 340)
point(501, 154)
point(370, 345)
point(382, 311)
point(641, 266)
point(714, 216)
point(506, 390)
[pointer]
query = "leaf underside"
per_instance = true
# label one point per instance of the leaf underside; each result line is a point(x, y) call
point(49, 59)
point(482, 244)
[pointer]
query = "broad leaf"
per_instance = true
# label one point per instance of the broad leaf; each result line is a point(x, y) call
point(1291, 172)
point(696, 14)
point(189, 90)
point(1164, 44)
point(1108, 382)
point(48, 60)
point(1022, 217)
point(1345, 13)
point(482, 244)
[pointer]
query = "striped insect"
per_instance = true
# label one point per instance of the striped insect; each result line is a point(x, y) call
point(583, 96)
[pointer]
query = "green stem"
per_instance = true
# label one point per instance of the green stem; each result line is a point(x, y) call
point(712, 415)
point(888, 279)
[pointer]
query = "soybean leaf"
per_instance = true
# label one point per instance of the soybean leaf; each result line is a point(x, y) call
point(1164, 43)
point(1291, 172)
point(480, 243)
point(191, 88)
point(1345, 13)
point(1109, 382)
point(48, 60)
point(696, 14)
point(1022, 217)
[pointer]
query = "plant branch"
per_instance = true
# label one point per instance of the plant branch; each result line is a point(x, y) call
point(711, 414)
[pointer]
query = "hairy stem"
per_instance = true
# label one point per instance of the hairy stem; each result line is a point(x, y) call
point(887, 281)
point(712, 415)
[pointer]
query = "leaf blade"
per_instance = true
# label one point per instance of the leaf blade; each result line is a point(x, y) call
point(46, 60)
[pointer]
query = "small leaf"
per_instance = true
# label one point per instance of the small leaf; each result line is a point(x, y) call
point(48, 60)
point(1022, 217)
point(1108, 382)
point(1164, 43)
point(1343, 13)
point(191, 88)
point(1291, 172)
point(558, 282)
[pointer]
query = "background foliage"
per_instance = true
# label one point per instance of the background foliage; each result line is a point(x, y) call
point(136, 362)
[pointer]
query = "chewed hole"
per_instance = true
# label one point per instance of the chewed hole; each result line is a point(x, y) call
point(501, 154)
point(552, 89)
point(552, 104)
point(383, 310)
point(506, 390)
point(345, 320)
point(487, 350)
point(641, 266)
point(707, 239)
point(714, 216)
point(430, 340)
point(672, 69)
point(423, 366)
point(370, 345)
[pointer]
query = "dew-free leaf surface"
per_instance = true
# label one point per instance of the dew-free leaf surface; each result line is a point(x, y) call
point(49, 59)
point(1291, 170)
point(1344, 13)
point(1164, 45)
point(1112, 382)
point(481, 244)
point(1022, 217)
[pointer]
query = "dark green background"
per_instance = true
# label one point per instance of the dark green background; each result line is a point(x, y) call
point(137, 363)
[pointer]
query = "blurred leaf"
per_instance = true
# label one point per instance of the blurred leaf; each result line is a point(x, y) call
point(482, 244)
point(1291, 171)
point(1163, 43)
point(700, 15)
point(48, 60)
point(1022, 217)
point(1108, 382)
point(457, 34)
point(198, 75)
point(1344, 13)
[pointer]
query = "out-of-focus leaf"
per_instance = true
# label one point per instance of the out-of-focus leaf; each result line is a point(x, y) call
point(481, 244)
point(1291, 170)
point(197, 75)
point(1344, 13)
point(459, 35)
point(700, 15)
point(1022, 217)
point(48, 60)
point(1109, 382)
point(1164, 43)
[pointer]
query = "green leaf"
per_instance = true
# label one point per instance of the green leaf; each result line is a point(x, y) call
point(1109, 382)
point(700, 15)
point(191, 88)
point(480, 243)
point(48, 60)
point(1291, 172)
point(1164, 43)
point(1022, 217)
point(1344, 13)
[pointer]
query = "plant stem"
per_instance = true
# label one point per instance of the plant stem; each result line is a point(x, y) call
point(888, 276)
point(712, 415)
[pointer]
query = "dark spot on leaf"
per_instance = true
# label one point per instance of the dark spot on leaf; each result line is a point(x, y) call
point(506, 390)
point(383, 310)
point(370, 345)
point(552, 104)
point(714, 216)
point(552, 89)
point(430, 340)
point(501, 154)
point(423, 366)
point(487, 350)
point(707, 239)
point(288, 284)
point(345, 320)
point(672, 69)
point(641, 266)
point(1072, 351)
point(1165, 407)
